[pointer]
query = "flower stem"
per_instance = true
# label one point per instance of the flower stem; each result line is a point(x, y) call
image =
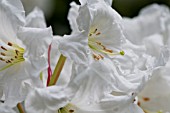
point(20, 108)
point(57, 70)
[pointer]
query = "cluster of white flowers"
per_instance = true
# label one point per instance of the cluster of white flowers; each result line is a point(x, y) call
point(108, 64)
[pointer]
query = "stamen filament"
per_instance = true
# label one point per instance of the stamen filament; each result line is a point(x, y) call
point(11, 64)
point(57, 70)
point(102, 51)
point(20, 108)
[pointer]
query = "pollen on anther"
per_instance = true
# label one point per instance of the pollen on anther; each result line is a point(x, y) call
point(16, 52)
point(95, 31)
point(139, 104)
point(134, 100)
point(108, 50)
point(90, 34)
point(2, 59)
point(9, 61)
point(9, 43)
point(71, 111)
point(3, 54)
point(95, 57)
point(101, 56)
point(146, 98)
point(3, 48)
point(98, 33)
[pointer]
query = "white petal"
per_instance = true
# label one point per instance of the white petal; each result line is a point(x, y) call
point(102, 78)
point(36, 19)
point(36, 50)
point(83, 2)
point(84, 19)
point(133, 108)
point(109, 2)
point(12, 80)
point(116, 104)
point(72, 16)
point(75, 47)
point(153, 44)
point(48, 99)
point(156, 91)
point(12, 16)
point(150, 21)
point(154, 8)
point(5, 109)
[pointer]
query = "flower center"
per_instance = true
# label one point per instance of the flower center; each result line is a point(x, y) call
point(147, 111)
point(98, 47)
point(67, 109)
point(10, 54)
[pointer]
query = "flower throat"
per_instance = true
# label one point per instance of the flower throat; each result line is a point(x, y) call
point(11, 54)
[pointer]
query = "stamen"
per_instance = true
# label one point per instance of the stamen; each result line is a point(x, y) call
point(139, 104)
point(108, 50)
point(146, 98)
point(98, 33)
point(99, 43)
point(95, 31)
point(101, 56)
point(97, 46)
point(71, 111)
point(9, 43)
point(3, 48)
point(95, 57)
point(17, 52)
point(11, 55)
point(3, 54)
point(9, 61)
point(2, 59)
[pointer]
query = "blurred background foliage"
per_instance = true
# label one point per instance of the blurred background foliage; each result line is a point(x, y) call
point(56, 10)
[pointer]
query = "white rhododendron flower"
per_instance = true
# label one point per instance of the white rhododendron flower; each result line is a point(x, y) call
point(48, 100)
point(151, 20)
point(154, 97)
point(20, 56)
point(98, 35)
point(98, 77)
point(103, 90)
point(108, 64)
